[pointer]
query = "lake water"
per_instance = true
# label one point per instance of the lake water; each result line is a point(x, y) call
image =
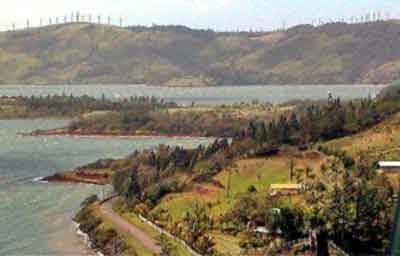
point(206, 95)
point(35, 218)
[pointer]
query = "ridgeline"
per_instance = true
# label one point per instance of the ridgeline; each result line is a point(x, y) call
point(334, 53)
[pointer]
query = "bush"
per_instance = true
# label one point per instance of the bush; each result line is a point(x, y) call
point(102, 237)
point(89, 200)
point(157, 193)
point(90, 225)
point(251, 189)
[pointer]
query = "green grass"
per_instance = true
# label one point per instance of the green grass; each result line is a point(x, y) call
point(226, 244)
point(257, 172)
point(381, 142)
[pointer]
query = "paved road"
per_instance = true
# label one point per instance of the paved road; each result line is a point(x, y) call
point(148, 242)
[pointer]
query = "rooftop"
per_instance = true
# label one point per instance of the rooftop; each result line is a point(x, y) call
point(389, 163)
point(286, 186)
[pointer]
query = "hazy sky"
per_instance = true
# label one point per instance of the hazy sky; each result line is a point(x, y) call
point(217, 14)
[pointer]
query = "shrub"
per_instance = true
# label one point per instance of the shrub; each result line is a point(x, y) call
point(251, 189)
point(89, 200)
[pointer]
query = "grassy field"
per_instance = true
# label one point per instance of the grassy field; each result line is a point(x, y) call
point(381, 142)
point(239, 111)
point(11, 108)
point(226, 245)
point(257, 172)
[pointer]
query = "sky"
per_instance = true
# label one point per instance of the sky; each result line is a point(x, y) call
point(215, 14)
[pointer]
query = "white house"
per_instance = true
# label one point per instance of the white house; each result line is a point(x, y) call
point(389, 166)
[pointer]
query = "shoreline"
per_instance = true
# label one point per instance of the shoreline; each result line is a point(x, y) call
point(109, 135)
point(86, 239)
point(48, 84)
point(59, 178)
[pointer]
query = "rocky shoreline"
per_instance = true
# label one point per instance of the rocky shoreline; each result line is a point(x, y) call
point(60, 132)
point(75, 177)
point(86, 239)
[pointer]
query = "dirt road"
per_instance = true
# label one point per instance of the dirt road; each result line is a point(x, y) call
point(148, 242)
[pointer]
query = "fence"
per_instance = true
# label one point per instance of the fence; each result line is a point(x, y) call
point(292, 244)
point(337, 249)
point(163, 231)
point(298, 242)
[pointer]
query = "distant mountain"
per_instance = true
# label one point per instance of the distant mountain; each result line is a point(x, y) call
point(178, 56)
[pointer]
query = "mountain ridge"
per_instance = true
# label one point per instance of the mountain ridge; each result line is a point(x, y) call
point(335, 53)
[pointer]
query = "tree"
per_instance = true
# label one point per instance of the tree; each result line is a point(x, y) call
point(196, 226)
point(353, 207)
point(126, 184)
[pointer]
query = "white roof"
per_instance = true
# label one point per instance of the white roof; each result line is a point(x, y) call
point(389, 163)
point(262, 230)
point(286, 186)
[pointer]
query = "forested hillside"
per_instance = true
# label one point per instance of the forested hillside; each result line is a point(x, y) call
point(178, 56)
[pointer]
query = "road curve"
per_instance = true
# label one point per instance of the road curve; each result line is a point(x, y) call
point(148, 242)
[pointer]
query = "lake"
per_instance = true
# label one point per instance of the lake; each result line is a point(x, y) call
point(206, 95)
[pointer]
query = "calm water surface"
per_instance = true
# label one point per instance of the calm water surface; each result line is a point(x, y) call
point(35, 218)
point(207, 95)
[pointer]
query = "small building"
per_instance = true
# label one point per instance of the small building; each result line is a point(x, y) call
point(286, 189)
point(389, 166)
point(293, 187)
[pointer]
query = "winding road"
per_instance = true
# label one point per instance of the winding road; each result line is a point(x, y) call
point(147, 241)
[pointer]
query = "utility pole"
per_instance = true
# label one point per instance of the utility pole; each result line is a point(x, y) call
point(109, 20)
point(65, 19)
point(27, 24)
point(77, 17)
point(56, 20)
point(120, 22)
point(99, 18)
point(291, 168)
point(72, 17)
point(13, 26)
point(228, 185)
point(50, 22)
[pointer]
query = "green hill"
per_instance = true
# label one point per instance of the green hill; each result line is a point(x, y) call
point(178, 56)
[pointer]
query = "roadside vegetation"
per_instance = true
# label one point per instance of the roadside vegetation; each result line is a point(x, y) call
point(103, 235)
